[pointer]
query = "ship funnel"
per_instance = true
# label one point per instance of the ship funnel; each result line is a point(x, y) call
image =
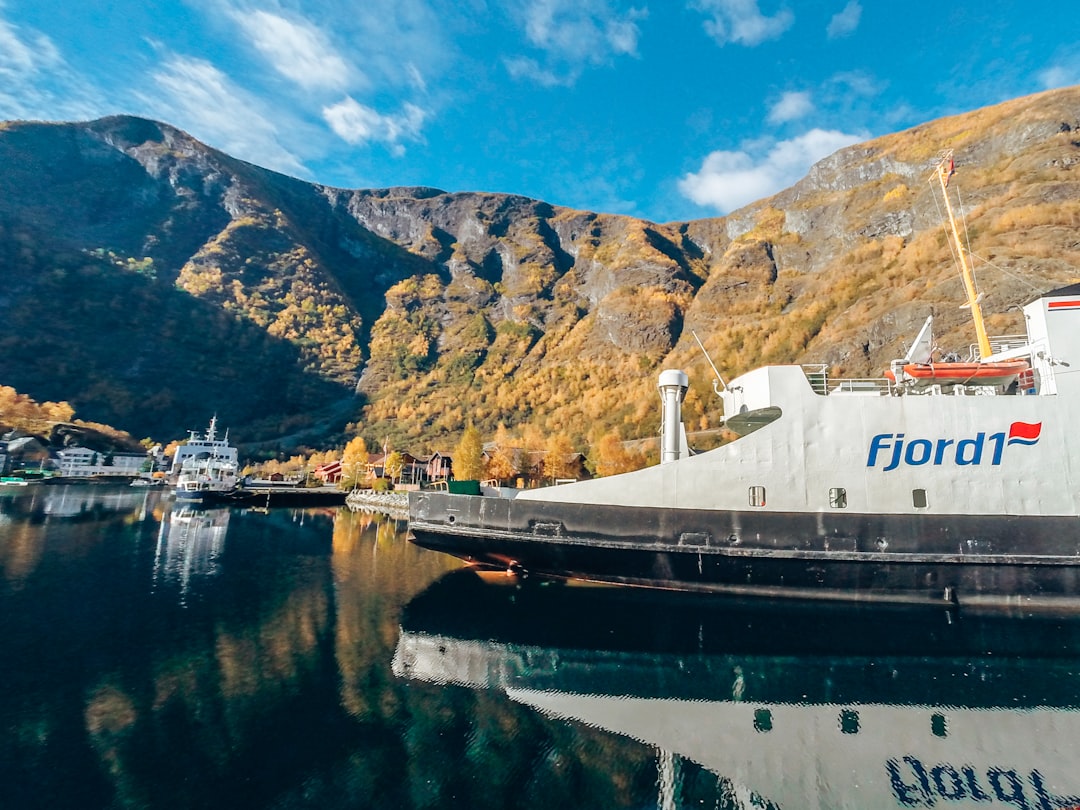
point(673, 384)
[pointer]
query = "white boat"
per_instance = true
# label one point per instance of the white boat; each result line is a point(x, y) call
point(893, 489)
point(202, 479)
point(147, 482)
point(206, 466)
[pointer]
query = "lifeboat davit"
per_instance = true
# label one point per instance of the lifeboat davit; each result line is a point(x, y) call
point(974, 373)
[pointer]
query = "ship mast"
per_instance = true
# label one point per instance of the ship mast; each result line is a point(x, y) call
point(945, 170)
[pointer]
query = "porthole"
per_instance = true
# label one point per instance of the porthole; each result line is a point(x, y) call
point(849, 721)
point(762, 720)
point(939, 725)
point(757, 496)
point(838, 498)
point(918, 498)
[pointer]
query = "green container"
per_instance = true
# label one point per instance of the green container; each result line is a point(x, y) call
point(466, 487)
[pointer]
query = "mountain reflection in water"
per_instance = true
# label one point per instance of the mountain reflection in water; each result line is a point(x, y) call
point(160, 657)
point(789, 706)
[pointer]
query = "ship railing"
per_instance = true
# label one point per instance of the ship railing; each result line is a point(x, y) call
point(818, 376)
point(875, 386)
point(998, 345)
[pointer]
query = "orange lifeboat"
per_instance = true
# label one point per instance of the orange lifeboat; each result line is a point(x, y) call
point(974, 373)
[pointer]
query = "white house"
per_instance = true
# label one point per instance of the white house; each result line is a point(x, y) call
point(82, 462)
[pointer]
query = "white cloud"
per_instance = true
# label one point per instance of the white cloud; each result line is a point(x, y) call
point(24, 53)
point(357, 123)
point(573, 34)
point(204, 101)
point(730, 180)
point(37, 83)
point(791, 107)
point(742, 22)
point(522, 67)
point(844, 23)
point(296, 49)
point(579, 28)
point(1060, 76)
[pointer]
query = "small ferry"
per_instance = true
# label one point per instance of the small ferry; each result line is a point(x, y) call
point(206, 466)
point(960, 486)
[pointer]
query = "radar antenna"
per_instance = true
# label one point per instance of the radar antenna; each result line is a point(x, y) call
point(718, 379)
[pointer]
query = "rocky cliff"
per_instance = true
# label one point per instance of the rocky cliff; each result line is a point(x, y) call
point(150, 281)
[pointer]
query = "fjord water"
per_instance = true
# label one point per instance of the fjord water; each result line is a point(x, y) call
point(156, 656)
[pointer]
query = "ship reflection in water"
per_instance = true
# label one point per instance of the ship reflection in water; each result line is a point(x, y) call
point(787, 707)
point(190, 543)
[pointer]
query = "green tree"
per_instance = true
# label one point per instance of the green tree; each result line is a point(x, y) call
point(469, 455)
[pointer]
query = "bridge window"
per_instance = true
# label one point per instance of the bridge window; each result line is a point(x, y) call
point(918, 498)
point(838, 498)
point(757, 496)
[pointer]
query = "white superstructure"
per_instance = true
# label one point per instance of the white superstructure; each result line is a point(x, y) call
point(204, 446)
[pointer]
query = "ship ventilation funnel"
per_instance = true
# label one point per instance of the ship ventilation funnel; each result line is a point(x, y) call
point(673, 384)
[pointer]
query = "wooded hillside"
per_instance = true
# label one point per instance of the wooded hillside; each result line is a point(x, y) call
point(151, 281)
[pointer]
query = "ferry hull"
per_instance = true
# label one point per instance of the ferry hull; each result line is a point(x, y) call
point(973, 560)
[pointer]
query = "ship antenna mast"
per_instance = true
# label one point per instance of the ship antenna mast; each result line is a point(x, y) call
point(718, 379)
point(945, 169)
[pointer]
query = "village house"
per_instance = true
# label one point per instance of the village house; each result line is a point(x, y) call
point(82, 462)
point(329, 473)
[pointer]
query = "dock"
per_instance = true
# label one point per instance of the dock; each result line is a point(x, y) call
point(283, 496)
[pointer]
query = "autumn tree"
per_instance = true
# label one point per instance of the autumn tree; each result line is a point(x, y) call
point(469, 455)
point(501, 464)
point(20, 411)
point(354, 459)
point(559, 461)
point(611, 457)
point(393, 466)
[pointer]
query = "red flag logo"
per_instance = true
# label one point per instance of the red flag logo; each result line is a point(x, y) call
point(1024, 432)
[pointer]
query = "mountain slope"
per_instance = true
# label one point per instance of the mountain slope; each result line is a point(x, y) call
point(150, 280)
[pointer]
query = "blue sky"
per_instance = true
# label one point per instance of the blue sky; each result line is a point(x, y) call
point(668, 110)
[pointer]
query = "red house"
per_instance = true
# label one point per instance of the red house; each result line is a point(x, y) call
point(328, 473)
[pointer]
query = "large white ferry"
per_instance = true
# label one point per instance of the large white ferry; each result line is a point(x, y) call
point(955, 481)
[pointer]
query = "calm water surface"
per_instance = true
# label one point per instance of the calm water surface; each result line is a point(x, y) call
point(159, 657)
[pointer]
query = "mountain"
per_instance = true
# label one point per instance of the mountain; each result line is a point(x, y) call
point(151, 281)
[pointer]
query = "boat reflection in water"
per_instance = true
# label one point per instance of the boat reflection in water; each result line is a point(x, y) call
point(78, 502)
point(190, 543)
point(789, 706)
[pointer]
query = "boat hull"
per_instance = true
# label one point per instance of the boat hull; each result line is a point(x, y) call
point(975, 560)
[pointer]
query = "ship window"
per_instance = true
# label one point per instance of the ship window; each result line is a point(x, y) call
point(918, 498)
point(939, 726)
point(762, 720)
point(757, 496)
point(849, 721)
point(838, 498)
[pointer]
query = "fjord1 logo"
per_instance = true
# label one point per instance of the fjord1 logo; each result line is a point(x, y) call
point(894, 449)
